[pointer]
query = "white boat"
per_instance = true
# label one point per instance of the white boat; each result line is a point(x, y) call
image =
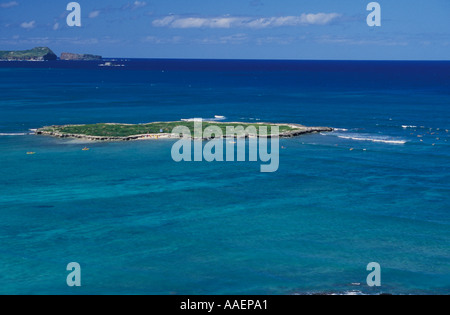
point(110, 64)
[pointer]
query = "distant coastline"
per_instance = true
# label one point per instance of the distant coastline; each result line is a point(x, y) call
point(80, 57)
point(163, 130)
point(44, 54)
point(35, 54)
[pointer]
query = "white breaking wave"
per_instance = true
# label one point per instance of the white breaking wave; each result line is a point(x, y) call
point(349, 293)
point(340, 129)
point(14, 134)
point(373, 139)
point(217, 118)
point(343, 134)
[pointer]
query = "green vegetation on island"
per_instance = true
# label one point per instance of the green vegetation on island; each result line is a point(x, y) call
point(125, 130)
point(35, 54)
point(111, 131)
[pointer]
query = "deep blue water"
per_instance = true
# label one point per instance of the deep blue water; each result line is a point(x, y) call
point(138, 222)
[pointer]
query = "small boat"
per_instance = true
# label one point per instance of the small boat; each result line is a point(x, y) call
point(85, 149)
point(219, 117)
point(31, 153)
point(110, 64)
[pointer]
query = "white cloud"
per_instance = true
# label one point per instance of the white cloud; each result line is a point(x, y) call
point(135, 5)
point(94, 14)
point(86, 41)
point(46, 41)
point(28, 25)
point(225, 22)
point(319, 18)
point(158, 40)
point(357, 41)
point(231, 39)
point(139, 4)
point(16, 40)
point(248, 22)
point(6, 5)
point(166, 21)
point(279, 40)
point(235, 38)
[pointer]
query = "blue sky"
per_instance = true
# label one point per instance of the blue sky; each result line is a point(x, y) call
point(246, 29)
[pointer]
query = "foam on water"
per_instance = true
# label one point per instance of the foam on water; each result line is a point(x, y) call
point(14, 134)
point(373, 139)
point(340, 129)
point(205, 119)
point(366, 137)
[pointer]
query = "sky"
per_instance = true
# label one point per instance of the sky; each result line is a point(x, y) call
point(232, 29)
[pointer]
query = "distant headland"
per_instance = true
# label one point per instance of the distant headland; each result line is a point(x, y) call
point(78, 57)
point(44, 54)
point(159, 130)
point(35, 54)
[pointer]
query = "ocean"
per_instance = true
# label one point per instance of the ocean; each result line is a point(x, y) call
point(375, 190)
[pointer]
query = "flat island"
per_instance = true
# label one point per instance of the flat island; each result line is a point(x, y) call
point(160, 130)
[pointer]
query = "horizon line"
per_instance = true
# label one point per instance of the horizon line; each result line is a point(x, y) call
point(268, 59)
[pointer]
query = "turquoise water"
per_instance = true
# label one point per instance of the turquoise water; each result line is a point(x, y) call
point(137, 222)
